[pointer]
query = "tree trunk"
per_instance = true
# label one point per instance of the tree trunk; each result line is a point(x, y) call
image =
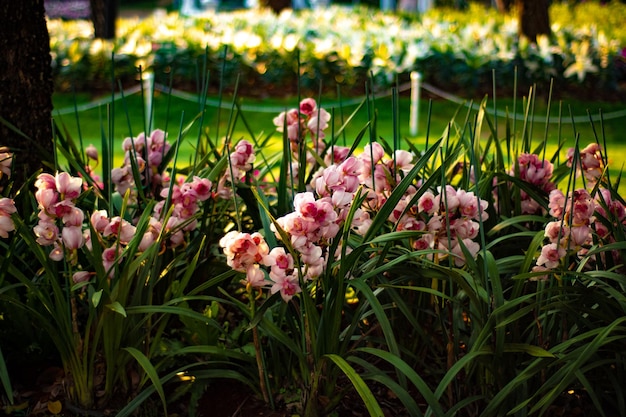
point(104, 15)
point(25, 86)
point(277, 6)
point(534, 18)
point(503, 6)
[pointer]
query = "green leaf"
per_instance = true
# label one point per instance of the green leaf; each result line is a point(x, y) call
point(96, 297)
point(149, 369)
point(361, 387)
point(410, 373)
point(532, 350)
point(4, 377)
point(117, 307)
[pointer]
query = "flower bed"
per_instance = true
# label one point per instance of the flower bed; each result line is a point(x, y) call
point(456, 276)
point(346, 46)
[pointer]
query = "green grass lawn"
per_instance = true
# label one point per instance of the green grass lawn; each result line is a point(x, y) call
point(255, 120)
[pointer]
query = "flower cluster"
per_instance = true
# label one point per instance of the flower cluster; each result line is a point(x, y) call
point(307, 121)
point(450, 221)
point(7, 205)
point(241, 160)
point(537, 172)
point(65, 227)
point(591, 163)
point(580, 221)
point(60, 220)
point(185, 199)
point(146, 154)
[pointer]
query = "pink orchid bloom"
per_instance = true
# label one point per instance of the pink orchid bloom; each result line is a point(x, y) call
point(7, 206)
point(91, 152)
point(255, 276)
point(110, 257)
point(46, 232)
point(100, 220)
point(287, 285)
point(57, 254)
point(6, 225)
point(551, 255)
point(72, 237)
point(81, 276)
point(69, 187)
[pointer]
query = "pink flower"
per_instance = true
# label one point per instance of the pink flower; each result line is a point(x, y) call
point(7, 206)
point(557, 203)
point(403, 160)
point(372, 154)
point(57, 253)
point(91, 152)
point(45, 182)
point(584, 207)
point(74, 217)
point(6, 160)
point(278, 259)
point(468, 204)
point(6, 225)
point(202, 188)
point(287, 285)
point(81, 276)
point(556, 232)
point(121, 229)
point(308, 106)
point(580, 235)
point(47, 198)
point(47, 232)
point(100, 220)
point(292, 119)
point(242, 250)
point(111, 257)
point(69, 187)
point(318, 122)
point(72, 237)
point(448, 202)
point(465, 229)
point(457, 251)
point(540, 277)
point(147, 240)
point(255, 276)
point(551, 255)
point(426, 203)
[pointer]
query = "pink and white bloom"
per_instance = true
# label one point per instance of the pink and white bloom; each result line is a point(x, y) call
point(6, 226)
point(111, 257)
point(551, 255)
point(6, 161)
point(72, 237)
point(255, 276)
point(81, 276)
point(46, 232)
point(287, 285)
point(69, 187)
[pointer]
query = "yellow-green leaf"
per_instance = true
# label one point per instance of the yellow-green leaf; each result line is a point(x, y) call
point(117, 307)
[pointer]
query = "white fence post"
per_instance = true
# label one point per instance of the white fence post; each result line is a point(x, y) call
point(416, 81)
point(148, 90)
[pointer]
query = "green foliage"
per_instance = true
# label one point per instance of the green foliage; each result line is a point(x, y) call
point(482, 325)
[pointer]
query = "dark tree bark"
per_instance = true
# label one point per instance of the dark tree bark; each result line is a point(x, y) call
point(534, 18)
point(25, 86)
point(104, 16)
point(277, 6)
point(503, 5)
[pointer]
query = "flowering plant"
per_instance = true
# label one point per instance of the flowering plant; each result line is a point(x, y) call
point(114, 269)
point(422, 272)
